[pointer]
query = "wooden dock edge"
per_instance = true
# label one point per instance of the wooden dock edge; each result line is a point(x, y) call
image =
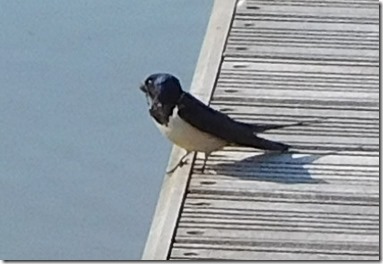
point(160, 237)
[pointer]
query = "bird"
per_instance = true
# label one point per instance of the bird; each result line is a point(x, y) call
point(195, 126)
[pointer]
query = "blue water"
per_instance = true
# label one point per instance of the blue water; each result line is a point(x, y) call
point(81, 163)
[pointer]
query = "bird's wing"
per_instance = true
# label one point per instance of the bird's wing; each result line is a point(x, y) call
point(220, 125)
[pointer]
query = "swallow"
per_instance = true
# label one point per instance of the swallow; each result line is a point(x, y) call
point(194, 126)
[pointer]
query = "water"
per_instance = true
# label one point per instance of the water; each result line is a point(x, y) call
point(81, 164)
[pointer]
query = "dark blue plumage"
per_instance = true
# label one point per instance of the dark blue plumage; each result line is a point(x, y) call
point(220, 125)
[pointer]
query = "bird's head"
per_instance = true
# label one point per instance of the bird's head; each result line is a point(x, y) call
point(163, 91)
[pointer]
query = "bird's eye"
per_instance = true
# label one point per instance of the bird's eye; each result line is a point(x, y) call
point(149, 82)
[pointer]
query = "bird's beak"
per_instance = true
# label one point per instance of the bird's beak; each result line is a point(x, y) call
point(143, 88)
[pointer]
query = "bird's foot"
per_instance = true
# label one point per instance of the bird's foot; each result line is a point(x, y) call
point(183, 161)
point(178, 165)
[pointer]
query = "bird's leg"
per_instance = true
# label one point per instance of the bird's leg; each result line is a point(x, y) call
point(204, 161)
point(180, 163)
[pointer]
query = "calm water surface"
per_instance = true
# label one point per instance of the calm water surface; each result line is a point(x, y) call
point(81, 164)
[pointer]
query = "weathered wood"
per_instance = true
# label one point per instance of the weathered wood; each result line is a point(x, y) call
point(210, 253)
point(282, 62)
point(273, 233)
point(295, 110)
point(306, 27)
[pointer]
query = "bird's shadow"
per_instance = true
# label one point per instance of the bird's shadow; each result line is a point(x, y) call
point(284, 168)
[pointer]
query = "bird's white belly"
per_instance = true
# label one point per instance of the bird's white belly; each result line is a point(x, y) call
point(188, 137)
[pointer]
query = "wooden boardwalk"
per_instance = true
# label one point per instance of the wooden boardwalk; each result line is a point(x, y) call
point(269, 61)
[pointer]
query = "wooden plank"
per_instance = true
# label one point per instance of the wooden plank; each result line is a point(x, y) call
point(300, 53)
point(203, 201)
point(236, 109)
point(252, 185)
point(268, 233)
point(327, 11)
point(285, 37)
point(298, 67)
point(329, 3)
point(173, 188)
point(350, 97)
point(260, 80)
point(300, 159)
point(307, 27)
point(240, 254)
point(318, 174)
point(250, 16)
point(275, 215)
point(233, 87)
point(279, 246)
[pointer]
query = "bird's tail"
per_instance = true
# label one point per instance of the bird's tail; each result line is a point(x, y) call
point(266, 144)
point(247, 135)
point(259, 128)
point(250, 139)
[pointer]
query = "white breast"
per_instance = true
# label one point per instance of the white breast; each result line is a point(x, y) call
point(188, 137)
